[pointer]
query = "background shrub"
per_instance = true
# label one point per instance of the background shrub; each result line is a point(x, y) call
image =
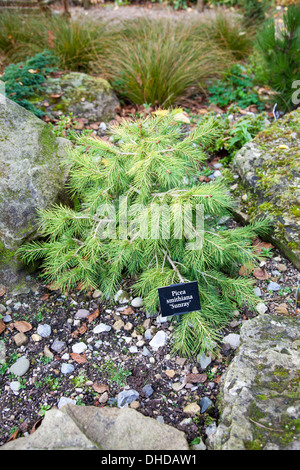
point(278, 61)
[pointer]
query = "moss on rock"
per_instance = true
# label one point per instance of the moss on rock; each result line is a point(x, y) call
point(269, 170)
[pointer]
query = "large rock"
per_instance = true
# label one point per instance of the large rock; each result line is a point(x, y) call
point(88, 427)
point(31, 178)
point(259, 393)
point(269, 169)
point(91, 98)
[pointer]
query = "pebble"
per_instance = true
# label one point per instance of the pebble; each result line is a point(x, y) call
point(2, 309)
point(128, 326)
point(217, 173)
point(82, 313)
point(257, 291)
point(15, 386)
point(137, 302)
point(233, 340)
point(126, 397)
point(101, 328)
point(205, 404)
point(58, 345)
point(148, 334)
point(96, 294)
point(261, 308)
point(103, 398)
point(48, 353)
point(2, 352)
point(20, 367)
point(282, 267)
point(146, 351)
point(118, 325)
point(67, 368)
point(191, 409)
point(44, 330)
point(159, 340)
point(65, 401)
point(20, 339)
point(79, 348)
point(273, 286)
point(133, 349)
point(204, 360)
point(7, 318)
point(147, 390)
point(36, 338)
point(122, 297)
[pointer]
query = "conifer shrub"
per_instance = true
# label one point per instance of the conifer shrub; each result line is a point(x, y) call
point(136, 216)
point(24, 79)
point(278, 59)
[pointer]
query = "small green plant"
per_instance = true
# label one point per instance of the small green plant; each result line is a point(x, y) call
point(233, 134)
point(235, 87)
point(66, 127)
point(53, 382)
point(242, 131)
point(79, 380)
point(115, 373)
point(22, 80)
point(43, 409)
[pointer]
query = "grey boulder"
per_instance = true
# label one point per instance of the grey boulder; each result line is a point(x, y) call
point(31, 178)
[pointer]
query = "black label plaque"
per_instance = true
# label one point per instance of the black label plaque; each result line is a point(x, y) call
point(179, 298)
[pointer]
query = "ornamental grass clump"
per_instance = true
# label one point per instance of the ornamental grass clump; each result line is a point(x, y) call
point(158, 61)
point(141, 213)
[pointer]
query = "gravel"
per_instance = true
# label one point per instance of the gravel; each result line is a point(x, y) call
point(118, 353)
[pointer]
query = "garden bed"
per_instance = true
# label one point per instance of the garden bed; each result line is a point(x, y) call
point(115, 360)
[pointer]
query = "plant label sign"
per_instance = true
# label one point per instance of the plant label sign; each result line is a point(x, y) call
point(179, 298)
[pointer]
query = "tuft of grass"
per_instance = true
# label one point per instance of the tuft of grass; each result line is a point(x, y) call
point(76, 44)
point(157, 61)
point(231, 35)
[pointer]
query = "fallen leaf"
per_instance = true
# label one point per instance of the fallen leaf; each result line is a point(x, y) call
point(2, 291)
point(127, 311)
point(160, 112)
point(2, 326)
point(283, 147)
point(245, 270)
point(196, 378)
point(94, 126)
point(181, 117)
point(56, 95)
point(217, 379)
point(13, 436)
point(22, 326)
point(79, 358)
point(36, 425)
point(52, 287)
point(100, 388)
point(33, 71)
point(93, 315)
point(260, 274)
point(259, 245)
point(79, 331)
point(45, 297)
point(282, 309)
